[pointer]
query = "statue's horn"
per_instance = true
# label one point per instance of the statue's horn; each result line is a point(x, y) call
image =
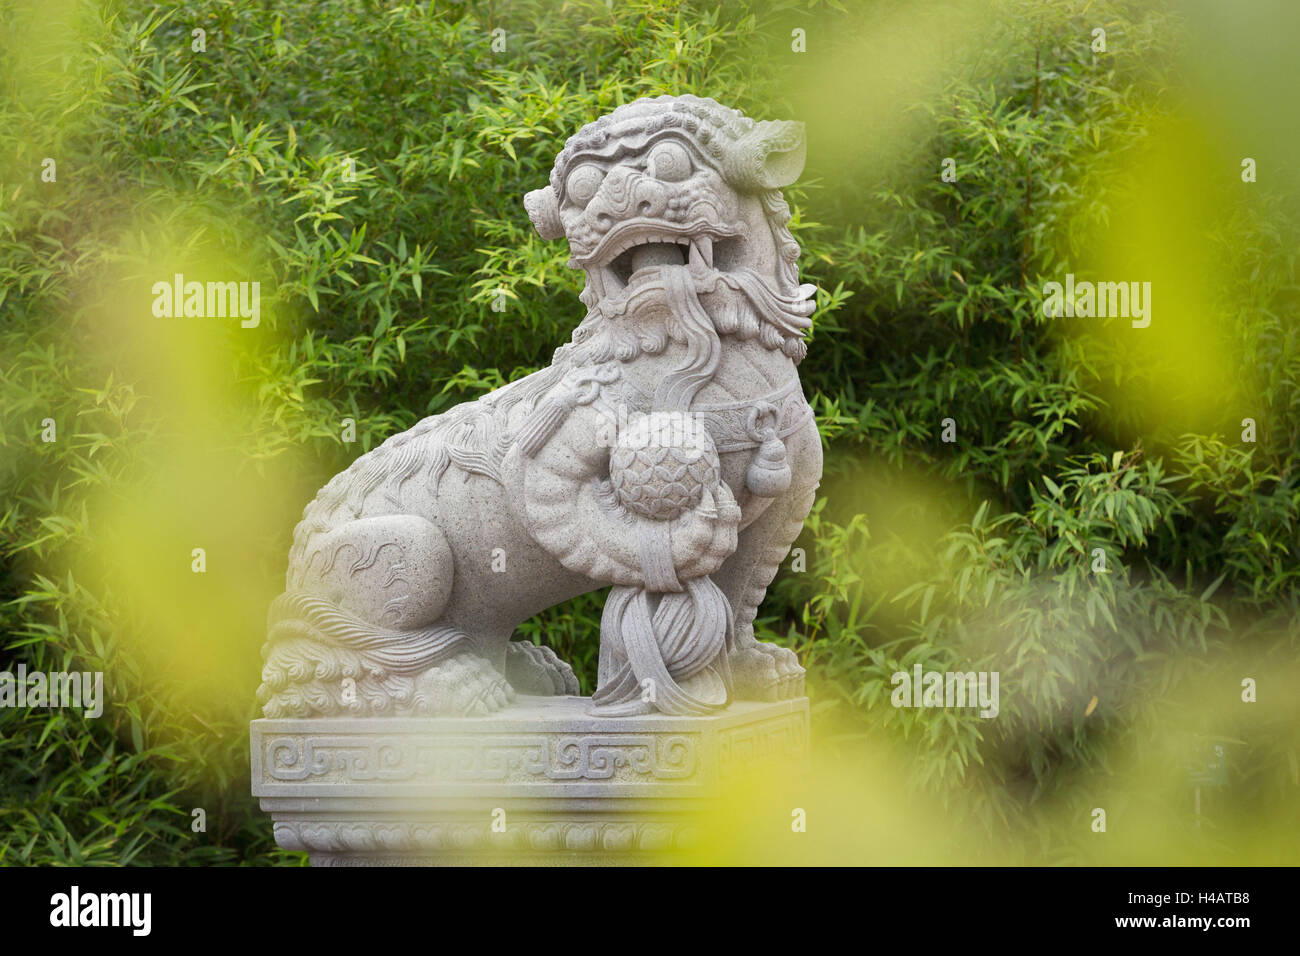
point(544, 210)
point(770, 156)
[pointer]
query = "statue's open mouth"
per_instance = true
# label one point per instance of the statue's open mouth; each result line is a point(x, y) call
point(651, 254)
point(634, 252)
point(647, 266)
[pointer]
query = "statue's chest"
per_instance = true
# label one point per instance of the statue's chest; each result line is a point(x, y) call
point(739, 411)
point(749, 434)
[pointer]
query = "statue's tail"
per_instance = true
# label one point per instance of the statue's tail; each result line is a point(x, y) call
point(320, 660)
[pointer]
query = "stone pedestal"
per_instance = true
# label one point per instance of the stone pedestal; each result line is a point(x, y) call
point(541, 782)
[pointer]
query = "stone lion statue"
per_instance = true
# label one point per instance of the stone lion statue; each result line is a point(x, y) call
point(668, 451)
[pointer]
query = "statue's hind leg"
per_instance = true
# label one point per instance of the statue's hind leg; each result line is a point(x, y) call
point(359, 630)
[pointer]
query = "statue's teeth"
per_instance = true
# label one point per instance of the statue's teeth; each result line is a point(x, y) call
point(702, 251)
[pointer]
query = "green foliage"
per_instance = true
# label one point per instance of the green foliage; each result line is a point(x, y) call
point(378, 306)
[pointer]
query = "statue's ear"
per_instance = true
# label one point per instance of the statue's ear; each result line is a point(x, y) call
point(544, 210)
point(770, 156)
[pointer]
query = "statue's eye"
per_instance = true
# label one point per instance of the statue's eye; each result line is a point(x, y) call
point(583, 183)
point(670, 162)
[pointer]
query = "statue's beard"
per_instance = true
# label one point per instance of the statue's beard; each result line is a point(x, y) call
point(693, 306)
point(690, 324)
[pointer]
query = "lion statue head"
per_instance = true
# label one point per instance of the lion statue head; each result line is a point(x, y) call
point(672, 207)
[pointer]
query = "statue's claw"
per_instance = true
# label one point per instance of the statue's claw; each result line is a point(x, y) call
point(768, 672)
point(536, 669)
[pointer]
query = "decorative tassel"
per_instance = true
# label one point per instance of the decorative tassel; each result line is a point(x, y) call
point(769, 473)
point(541, 424)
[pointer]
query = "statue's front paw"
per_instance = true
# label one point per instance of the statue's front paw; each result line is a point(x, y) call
point(533, 669)
point(761, 671)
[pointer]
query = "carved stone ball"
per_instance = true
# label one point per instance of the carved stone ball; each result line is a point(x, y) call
point(662, 464)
